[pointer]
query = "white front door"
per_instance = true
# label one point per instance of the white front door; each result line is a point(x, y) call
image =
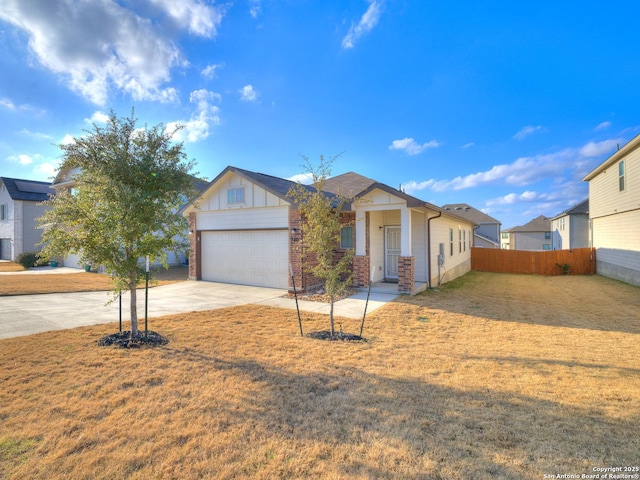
point(392, 251)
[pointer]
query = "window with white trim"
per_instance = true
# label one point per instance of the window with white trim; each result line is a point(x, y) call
point(621, 185)
point(4, 211)
point(451, 242)
point(346, 237)
point(235, 195)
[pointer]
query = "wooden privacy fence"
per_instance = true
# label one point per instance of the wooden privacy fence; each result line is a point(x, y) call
point(579, 261)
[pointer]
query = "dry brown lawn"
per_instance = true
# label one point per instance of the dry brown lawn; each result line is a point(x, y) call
point(28, 284)
point(494, 377)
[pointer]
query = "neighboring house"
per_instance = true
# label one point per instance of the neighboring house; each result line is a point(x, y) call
point(246, 230)
point(532, 236)
point(614, 213)
point(19, 207)
point(65, 181)
point(570, 229)
point(487, 232)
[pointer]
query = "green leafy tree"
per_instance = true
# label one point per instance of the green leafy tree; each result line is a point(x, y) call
point(323, 219)
point(123, 204)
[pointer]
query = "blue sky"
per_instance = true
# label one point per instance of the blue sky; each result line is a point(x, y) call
point(505, 107)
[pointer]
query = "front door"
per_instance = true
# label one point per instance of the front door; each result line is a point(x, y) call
point(391, 252)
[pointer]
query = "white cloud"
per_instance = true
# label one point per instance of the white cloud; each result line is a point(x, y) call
point(97, 117)
point(35, 135)
point(248, 93)
point(101, 45)
point(304, 178)
point(514, 198)
point(22, 159)
point(411, 147)
point(526, 131)
point(199, 18)
point(467, 145)
point(6, 103)
point(573, 162)
point(210, 70)
point(255, 8)
point(603, 125)
point(368, 20)
point(596, 149)
point(67, 140)
point(205, 115)
point(45, 170)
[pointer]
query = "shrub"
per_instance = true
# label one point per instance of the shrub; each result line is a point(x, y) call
point(28, 259)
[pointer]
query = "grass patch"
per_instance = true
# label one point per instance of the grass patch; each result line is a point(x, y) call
point(492, 386)
point(40, 283)
point(14, 452)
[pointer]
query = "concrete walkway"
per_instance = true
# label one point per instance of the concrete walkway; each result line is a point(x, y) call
point(28, 314)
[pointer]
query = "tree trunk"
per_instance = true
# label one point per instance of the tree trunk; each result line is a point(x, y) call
point(134, 309)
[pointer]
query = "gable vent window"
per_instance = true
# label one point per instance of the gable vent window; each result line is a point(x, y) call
point(621, 176)
point(235, 195)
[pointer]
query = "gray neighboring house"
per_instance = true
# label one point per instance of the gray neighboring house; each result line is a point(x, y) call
point(19, 207)
point(570, 229)
point(487, 232)
point(532, 236)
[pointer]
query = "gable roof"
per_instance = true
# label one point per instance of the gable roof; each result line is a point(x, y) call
point(354, 185)
point(617, 155)
point(577, 209)
point(27, 190)
point(538, 224)
point(470, 213)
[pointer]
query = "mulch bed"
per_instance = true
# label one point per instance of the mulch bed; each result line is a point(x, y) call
point(124, 340)
point(337, 336)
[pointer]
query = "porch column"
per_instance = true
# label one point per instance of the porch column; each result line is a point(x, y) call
point(406, 274)
point(361, 232)
point(405, 236)
point(361, 271)
point(194, 247)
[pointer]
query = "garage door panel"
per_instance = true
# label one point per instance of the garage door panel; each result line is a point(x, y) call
point(246, 257)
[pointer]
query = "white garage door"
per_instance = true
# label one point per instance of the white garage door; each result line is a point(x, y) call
point(256, 257)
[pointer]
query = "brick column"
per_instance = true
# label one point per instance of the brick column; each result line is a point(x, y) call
point(295, 251)
point(194, 248)
point(406, 274)
point(361, 271)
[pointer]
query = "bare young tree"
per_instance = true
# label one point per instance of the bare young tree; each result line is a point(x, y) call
point(322, 220)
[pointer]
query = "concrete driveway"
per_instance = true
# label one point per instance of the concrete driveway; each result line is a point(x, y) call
point(28, 314)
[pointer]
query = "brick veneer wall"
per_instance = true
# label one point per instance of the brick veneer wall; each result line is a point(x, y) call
point(302, 261)
point(361, 267)
point(406, 274)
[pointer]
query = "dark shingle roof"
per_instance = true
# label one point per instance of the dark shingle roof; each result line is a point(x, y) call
point(348, 184)
point(27, 190)
point(538, 224)
point(467, 211)
point(577, 209)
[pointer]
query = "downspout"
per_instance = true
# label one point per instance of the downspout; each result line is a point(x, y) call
point(429, 247)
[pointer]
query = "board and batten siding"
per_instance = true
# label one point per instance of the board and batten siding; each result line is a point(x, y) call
point(261, 209)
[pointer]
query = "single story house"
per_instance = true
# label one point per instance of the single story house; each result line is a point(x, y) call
point(532, 236)
point(20, 205)
point(245, 229)
point(487, 232)
point(614, 213)
point(570, 229)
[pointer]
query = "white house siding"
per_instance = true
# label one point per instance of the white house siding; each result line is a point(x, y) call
point(455, 264)
point(31, 235)
point(579, 231)
point(247, 242)
point(7, 227)
point(617, 242)
point(615, 220)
